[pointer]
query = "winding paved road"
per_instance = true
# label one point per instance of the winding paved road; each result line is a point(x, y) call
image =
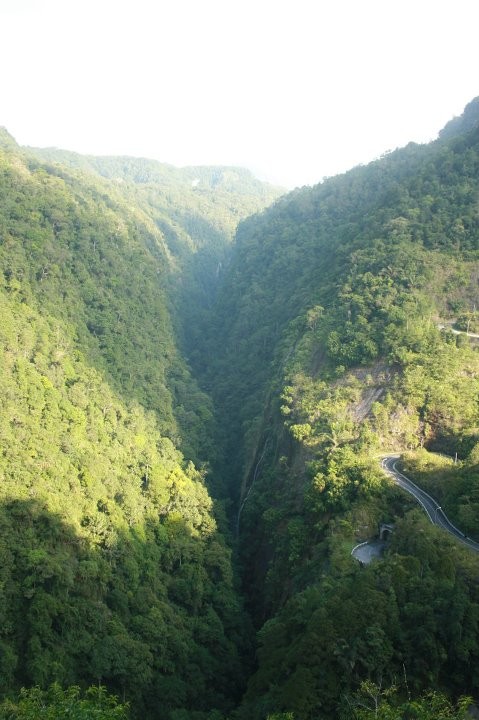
point(430, 506)
point(458, 332)
point(368, 551)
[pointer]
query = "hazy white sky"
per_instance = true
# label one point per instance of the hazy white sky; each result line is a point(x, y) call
point(293, 89)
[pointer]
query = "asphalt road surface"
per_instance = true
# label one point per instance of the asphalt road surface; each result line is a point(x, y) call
point(430, 506)
point(368, 551)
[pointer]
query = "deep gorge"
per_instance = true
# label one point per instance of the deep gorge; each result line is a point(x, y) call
point(198, 373)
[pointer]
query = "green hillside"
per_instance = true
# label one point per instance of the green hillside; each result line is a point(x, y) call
point(195, 209)
point(113, 570)
point(334, 347)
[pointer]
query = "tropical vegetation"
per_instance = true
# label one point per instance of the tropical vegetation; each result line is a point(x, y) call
point(198, 379)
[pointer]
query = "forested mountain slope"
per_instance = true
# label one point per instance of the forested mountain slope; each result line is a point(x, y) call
point(347, 264)
point(112, 568)
point(330, 351)
point(196, 210)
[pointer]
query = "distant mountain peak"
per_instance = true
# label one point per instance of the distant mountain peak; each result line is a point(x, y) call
point(462, 123)
point(7, 140)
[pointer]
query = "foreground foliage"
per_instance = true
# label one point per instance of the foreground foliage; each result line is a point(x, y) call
point(432, 706)
point(58, 704)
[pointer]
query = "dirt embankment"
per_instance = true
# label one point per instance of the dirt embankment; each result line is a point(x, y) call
point(376, 380)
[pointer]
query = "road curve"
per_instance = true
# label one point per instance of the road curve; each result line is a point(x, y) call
point(368, 551)
point(430, 506)
point(458, 332)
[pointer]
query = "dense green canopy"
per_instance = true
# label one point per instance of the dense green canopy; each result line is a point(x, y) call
point(112, 568)
point(192, 414)
point(334, 344)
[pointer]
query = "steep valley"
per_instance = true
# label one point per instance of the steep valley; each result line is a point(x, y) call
point(199, 376)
